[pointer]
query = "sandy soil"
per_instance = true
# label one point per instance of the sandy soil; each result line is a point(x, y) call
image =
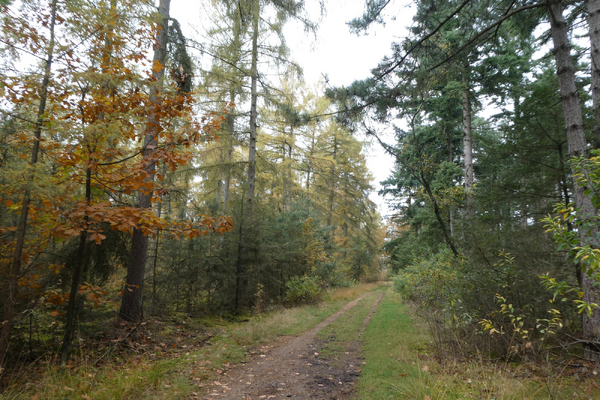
point(294, 368)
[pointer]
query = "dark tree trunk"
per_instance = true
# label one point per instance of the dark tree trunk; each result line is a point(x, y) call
point(131, 306)
point(438, 216)
point(78, 266)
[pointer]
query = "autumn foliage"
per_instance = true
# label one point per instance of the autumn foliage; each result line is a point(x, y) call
point(127, 186)
point(90, 142)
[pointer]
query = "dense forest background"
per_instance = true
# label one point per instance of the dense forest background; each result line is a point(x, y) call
point(138, 181)
point(495, 108)
point(135, 182)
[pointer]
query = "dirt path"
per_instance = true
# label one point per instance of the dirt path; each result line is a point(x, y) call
point(293, 368)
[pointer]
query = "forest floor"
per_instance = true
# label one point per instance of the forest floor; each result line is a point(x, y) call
point(362, 343)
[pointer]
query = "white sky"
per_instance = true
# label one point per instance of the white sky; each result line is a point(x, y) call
point(337, 53)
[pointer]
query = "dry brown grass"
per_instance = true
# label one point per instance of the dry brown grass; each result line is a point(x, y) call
point(354, 291)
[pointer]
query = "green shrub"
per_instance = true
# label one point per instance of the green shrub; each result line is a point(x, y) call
point(429, 282)
point(304, 289)
point(500, 307)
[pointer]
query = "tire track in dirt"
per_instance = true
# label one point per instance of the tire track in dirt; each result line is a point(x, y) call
point(292, 369)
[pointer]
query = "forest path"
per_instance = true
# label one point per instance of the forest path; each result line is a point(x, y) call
point(294, 368)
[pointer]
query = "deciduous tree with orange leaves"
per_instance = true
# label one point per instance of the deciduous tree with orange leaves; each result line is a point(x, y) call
point(83, 139)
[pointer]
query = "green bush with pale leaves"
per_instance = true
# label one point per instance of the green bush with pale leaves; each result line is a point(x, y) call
point(304, 289)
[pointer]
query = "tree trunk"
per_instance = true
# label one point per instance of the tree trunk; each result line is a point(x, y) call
point(577, 148)
point(594, 31)
point(225, 180)
point(15, 268)
point(468, 145)
point(239, 268)
point(253, 110)
point(131, 307)
point(284, 178)
point(289, 171)
point(332, 184)
point(438, 216)
point(155, 256)
point(72, 308)
point(450, 159)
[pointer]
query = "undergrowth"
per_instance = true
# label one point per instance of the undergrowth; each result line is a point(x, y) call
point(401, 363)
point(161, 359)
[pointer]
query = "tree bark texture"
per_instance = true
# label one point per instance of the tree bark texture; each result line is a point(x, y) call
point(10, 300)
point(131, 306)
point(594, 32)
point(577, 148)
point(253, 110)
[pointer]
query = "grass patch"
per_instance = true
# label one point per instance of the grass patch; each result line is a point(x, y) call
point(398, 366)
point(161, 375)
point(292, 321)
point(346, 328)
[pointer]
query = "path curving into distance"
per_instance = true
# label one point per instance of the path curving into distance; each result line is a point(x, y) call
point(293, 369)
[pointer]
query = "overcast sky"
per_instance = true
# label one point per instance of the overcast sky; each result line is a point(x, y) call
point(335, 52)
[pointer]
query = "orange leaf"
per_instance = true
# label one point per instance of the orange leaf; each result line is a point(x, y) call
point(92, 296)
